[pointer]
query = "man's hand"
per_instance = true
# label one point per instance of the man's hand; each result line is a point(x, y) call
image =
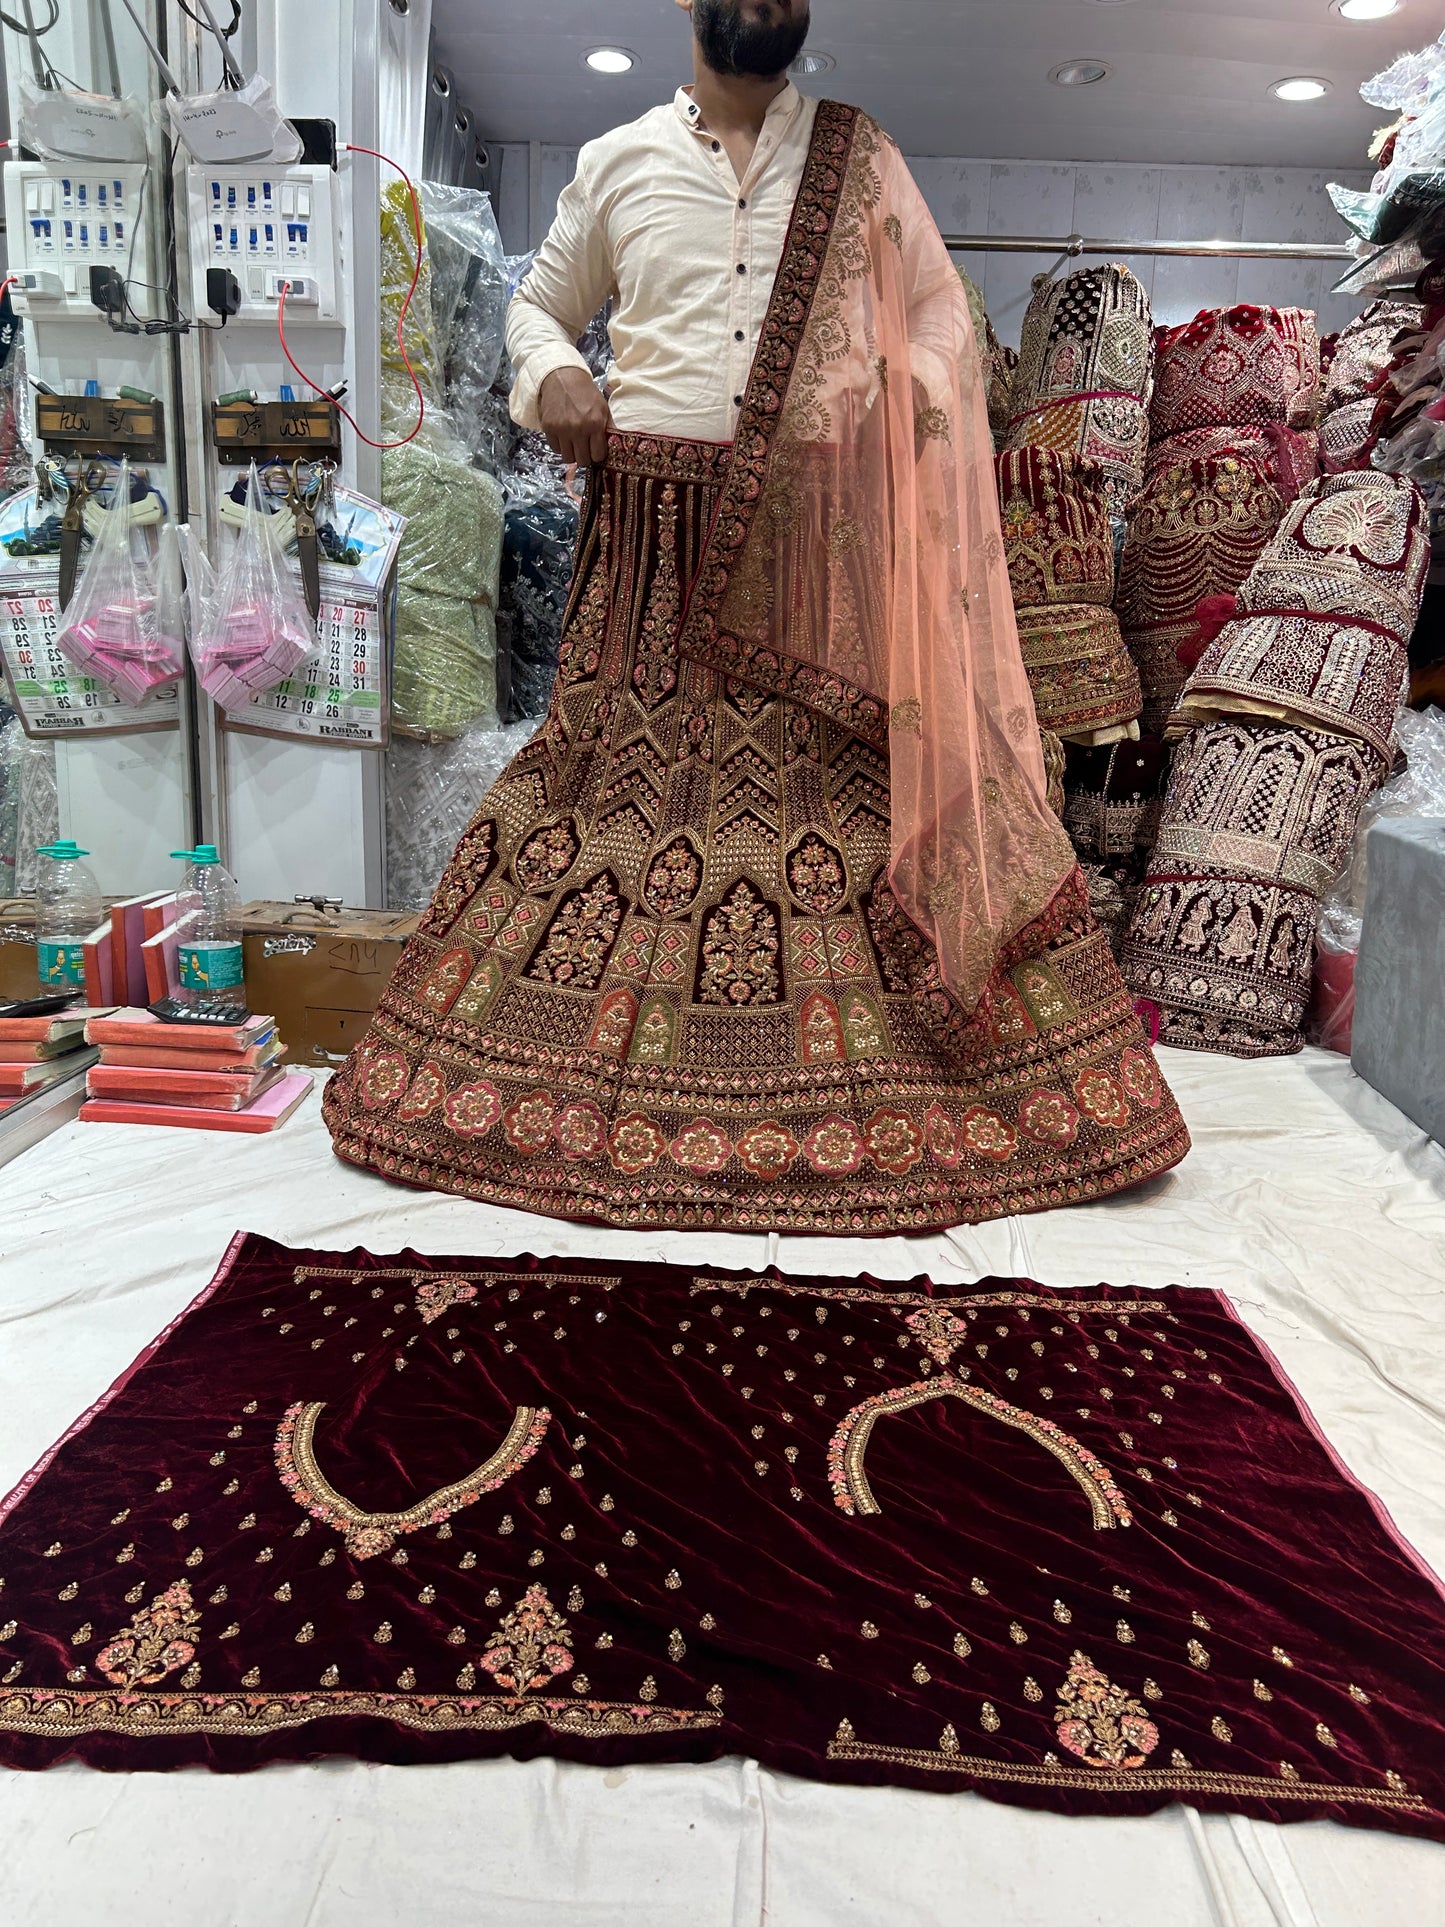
point(575, 416)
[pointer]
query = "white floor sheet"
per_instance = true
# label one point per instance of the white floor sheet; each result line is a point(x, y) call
point(1308, 1199)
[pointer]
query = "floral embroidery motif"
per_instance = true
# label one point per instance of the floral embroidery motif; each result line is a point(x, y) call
point(1139, 1075)
point(739, 961)
point(529, 1121)
point(474, 1109)
point(445, 982)
point(581, 936)
point(160, 1639)
point(1100, 1096)
point(655, 1037)
point(895, 1142)
point(437, 1295)
point(673, 879)
point(816, 875)
point(370, 1533)
point(580, 1129)
point(546, 857)
point(532, 1645)
point(989, 1134)
point(767, 1150)
point(834, 1148)
point(701, 1147)
point(384, 1079)
point(820, 1032)
point(635, 1143)
point(428, 1089)
point(1099, 1723)
point(612, 1027)
point(944, 1138)
point(654, 670)
point(1049, 1118)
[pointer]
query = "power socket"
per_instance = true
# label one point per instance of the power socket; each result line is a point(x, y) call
point(300, 288)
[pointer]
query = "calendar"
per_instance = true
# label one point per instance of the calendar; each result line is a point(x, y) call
point(49, 694)
point(341, 693)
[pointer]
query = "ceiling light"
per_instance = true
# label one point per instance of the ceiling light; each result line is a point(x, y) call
point(610, 60)
point(812, 63)
point(1080, 73)
point(1366, 9)
point(1301, 87)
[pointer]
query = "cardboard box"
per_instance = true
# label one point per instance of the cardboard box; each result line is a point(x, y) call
point(320, 972)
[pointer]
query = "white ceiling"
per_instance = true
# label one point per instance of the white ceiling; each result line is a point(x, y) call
point(1190, 78)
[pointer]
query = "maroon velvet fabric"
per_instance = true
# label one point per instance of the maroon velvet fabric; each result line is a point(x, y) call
point(1095, 1557)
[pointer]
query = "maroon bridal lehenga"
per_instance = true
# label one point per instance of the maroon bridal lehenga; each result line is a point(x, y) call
point(770, 927)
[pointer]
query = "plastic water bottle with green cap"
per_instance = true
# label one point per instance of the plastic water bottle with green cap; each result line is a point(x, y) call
point(68, 909)
point(210, 946)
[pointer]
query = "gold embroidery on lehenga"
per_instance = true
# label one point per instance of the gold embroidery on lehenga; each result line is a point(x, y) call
point(160, 1639)
point(369, 1533)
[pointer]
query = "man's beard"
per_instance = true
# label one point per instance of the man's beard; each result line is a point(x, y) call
point(732, 45)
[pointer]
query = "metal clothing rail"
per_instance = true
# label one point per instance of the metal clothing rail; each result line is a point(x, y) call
point(1074, 244)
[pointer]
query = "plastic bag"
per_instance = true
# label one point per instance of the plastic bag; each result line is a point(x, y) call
point(1418, 790)
point(111, 630)
point(432, 793)
point(468, 292)
point(234, 124)
point(251, 627)
point(29, 807)
point(64, 124)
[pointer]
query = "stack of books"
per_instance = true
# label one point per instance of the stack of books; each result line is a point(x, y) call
point(36, 1052)
point(208, 1077)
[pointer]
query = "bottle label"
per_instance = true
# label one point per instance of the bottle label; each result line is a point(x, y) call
point(62, 964)
point(211, 967)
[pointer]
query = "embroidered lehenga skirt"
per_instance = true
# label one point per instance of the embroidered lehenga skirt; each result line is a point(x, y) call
point(662, 981)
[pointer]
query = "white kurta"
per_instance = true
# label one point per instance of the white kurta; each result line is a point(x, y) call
point(656, 219)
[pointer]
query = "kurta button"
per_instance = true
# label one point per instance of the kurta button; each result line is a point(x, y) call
point(737, 334)
point(742, 267)
point(742, 203)
point(717, 147)
point(737, 401)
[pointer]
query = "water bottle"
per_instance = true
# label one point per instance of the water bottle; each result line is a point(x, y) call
point(68, 909)
point(210, 946)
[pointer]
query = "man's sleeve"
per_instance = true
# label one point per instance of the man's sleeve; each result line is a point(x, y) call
point(564, 287)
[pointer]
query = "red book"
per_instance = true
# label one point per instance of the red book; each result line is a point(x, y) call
point(42, 1052)
point(157, 912)
point(99, 953)
point(17, 1080)
point(273, 1107)
point(45, 1030)
point(211, 1090)
point(162, 958)
point(140, 1028)
point(151, 1057)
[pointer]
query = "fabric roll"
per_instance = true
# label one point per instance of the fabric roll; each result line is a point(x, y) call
point(1236, 368)
point(1363, 351)
point(1079, 670)
point(1054, 513)
point(1325, 616)
point(1082, 381)
point(1288, 457)
point(444, 668)
point(453, 540)
point(1256, 824)
point(1196, 531)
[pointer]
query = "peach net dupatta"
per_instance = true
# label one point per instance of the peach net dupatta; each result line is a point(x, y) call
point(855, 564)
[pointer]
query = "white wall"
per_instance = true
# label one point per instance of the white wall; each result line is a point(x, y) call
point(1121, 201)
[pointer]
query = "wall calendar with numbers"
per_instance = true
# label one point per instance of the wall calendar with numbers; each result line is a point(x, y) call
point(48, 693)
point(341, 693)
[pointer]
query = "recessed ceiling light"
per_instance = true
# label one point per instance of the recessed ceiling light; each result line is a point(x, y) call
point(1080, 73)
point(610, 60)
point(1366, 9)
point(1301, 87)
point(813, 63)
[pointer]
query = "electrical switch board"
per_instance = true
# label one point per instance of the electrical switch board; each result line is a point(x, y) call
point(62, 219)
point(270, 227)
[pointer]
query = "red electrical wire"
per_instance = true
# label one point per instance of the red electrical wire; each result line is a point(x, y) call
point(400, 320)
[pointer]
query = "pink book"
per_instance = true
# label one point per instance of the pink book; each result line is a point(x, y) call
point(162, 959)
point(209, 1090)
point(269, 1110)
point(127, 934)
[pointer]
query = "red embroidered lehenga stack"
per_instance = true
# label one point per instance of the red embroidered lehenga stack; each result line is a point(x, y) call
point(770, 927)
